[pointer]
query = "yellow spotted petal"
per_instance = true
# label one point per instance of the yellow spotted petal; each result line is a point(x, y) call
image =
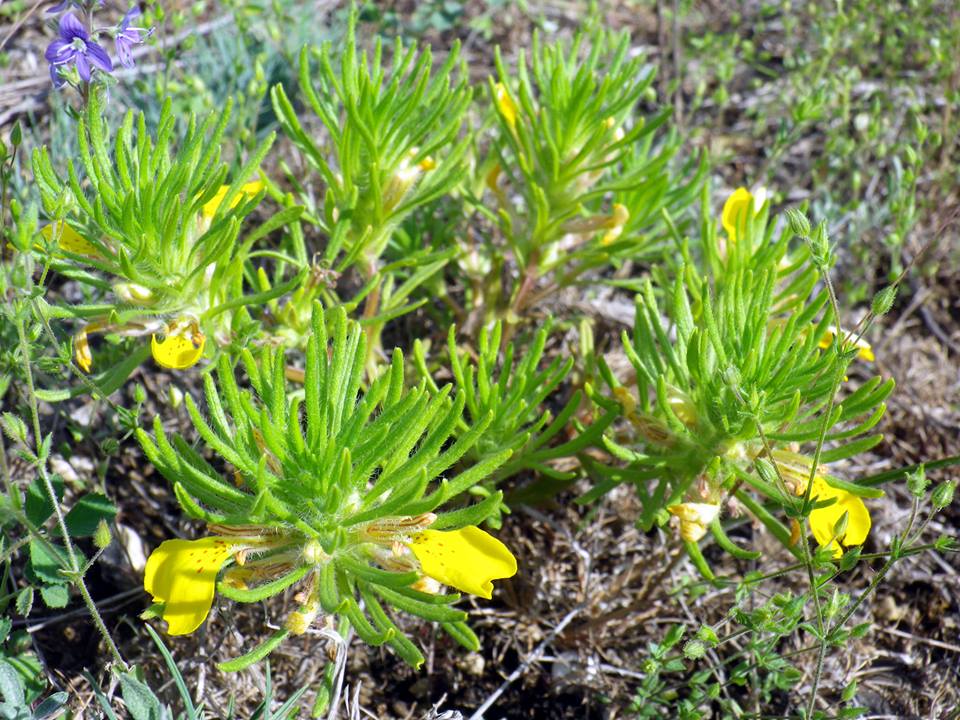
point(823, 520)
point(468, 559)
point(183, 575)
point(69, 239)
point(246, 191)
point(505, 104)
point(176, 352)
point(736, 207)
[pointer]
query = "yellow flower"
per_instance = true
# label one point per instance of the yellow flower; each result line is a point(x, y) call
point(181, 347)
point(737, 206)
point(468, 559)
point(81, 345)
point(823, 520)
point(618, 218)
point(505, 104)
point(182, 574)
point(795, 469)
point(247, 191)
point(694, 518)
point(404, 177)
point(69, 239)
point(864, 351)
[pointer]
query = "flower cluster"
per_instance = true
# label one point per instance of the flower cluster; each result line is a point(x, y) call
point(177, 341)
point(730, 391)
point(182, 574)
point(336, 493)
point(77, 53)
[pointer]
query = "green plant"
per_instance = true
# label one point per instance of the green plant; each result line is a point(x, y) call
point(390, 145)
point(14, 705)
point(739, 378)
point(341, 505)
point(513, 391)
point(159, 232)
point(578, 180)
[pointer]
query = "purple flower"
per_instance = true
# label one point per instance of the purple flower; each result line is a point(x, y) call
point(127, 37)
point(75, 46)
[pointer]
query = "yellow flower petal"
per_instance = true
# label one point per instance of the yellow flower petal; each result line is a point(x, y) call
point(183, 575)
point(505, 104)
point(176, 352)
point(864, 349)
point(247, 191)
point(69, 239)
point(618, 218)
point(81, 345)
point(736, 206)
point(823, 520)
point(694, 518)
point(81, 351)
point(493, 177)
point(467, 559)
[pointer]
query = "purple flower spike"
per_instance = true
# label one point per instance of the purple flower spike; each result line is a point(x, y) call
point(75, 47)
point(128, 36)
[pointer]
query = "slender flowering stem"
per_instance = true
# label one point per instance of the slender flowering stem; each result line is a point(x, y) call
point(76, 576)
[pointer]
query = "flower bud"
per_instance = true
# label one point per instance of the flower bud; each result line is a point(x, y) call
point(708, 635)
point(626, 400)
point(917, 482)
point(799, 223)
point(403, 179)
point(943, 494)
point(883, 300)
point(81, 350)
point(505, 104)
point(493, 177)
point(618, 218)
point(299, 621)
point(820, 243)
point(102, 535)
point(694, 650)
point(768, 473)
point(911, 155)
point(133, 293)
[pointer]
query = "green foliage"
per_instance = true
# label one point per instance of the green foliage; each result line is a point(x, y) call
point(14, 705)
point(578, 179)
point(329, 472)
point(390, 144)
point(435, 207)
point(159, 222)
point(513, 392)
point(737, 375)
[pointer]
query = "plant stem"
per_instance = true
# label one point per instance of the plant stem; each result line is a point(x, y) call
point(76, 574)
